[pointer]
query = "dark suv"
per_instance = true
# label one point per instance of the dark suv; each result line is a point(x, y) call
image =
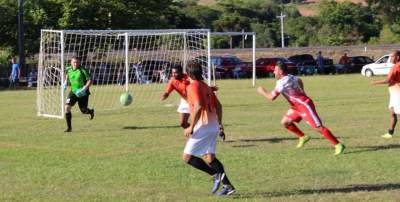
point(357, 62)
point(307, 65)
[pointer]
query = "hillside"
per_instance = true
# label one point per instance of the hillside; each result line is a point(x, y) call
point(306, 9)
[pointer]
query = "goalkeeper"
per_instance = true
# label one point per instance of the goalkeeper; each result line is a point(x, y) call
point(80, 80)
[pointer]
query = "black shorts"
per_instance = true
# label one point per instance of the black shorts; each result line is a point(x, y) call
point(82, 101)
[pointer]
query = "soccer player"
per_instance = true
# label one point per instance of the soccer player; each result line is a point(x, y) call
point(80, 80)
point(178, 82)
point(202, 133)
point(302, 107)
point(393, 81)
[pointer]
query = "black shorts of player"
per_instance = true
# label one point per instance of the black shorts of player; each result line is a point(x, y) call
point(82, 101)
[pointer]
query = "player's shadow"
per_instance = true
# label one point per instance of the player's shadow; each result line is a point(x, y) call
point(346, 189)
point(147, 127)
point(361, 149)
point(271, 140)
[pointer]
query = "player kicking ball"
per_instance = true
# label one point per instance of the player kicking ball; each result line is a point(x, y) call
point(202, 133)
point(80, 81)
point(302, 107)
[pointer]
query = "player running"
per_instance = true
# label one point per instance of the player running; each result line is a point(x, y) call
point(178, 82)
point(80, 80)
point(302, 107)
point(393, 81)
point(206, 122)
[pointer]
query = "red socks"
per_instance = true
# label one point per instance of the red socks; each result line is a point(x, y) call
point(293, 128)
point(328, 135)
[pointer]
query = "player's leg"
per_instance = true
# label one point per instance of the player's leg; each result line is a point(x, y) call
point(288, 122)
point(83, 106)
point(220, 175)
point(184, 120)
point(312, 118)
point(71, 100)
point(184, 113)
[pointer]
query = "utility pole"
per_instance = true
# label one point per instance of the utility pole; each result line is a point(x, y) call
point(21, 52)
point(282, 35)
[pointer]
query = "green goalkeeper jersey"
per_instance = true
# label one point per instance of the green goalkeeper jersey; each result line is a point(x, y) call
point(77, 77)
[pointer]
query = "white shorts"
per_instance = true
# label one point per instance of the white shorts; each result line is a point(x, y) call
point(203, 140)
point(394, 101)
point(183, 107)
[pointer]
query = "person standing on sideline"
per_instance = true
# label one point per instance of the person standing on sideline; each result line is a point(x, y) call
point(393, 81)
point(302, 107)
point(202, 133)
point(80, 80)
point(344, 64)
point(178, 82)
point(320, 63)
point(15, 73)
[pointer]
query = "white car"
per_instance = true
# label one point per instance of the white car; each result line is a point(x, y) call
point(381, 67)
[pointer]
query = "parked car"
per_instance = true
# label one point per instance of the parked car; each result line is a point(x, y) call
point(225, 65)
point(381, 67)
point(266, 66)
point(357, 62)
point(307, 65)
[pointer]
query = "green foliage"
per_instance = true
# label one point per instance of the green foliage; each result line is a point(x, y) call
point(267, 36)
point(346, 23)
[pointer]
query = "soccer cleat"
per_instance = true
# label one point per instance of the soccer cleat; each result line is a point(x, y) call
point(222, 135)
point(387, 136)
point(68, 130)
point(339, 148)
point(91, 114)
point(217, 181)
point(226, 190)
point(303, 140)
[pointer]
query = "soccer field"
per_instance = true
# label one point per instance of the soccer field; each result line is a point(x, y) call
point(135, 154)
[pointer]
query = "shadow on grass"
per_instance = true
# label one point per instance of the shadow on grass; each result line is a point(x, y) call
point(147, 127)
point(244, 145)
point(271, 140)
point(374, 148)
point(347, 189)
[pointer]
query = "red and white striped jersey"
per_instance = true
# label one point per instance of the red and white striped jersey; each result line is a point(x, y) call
point(291, 89)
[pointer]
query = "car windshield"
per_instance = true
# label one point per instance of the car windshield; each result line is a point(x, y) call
point(282, 59)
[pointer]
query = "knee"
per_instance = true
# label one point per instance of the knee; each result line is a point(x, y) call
point(186, 157)
point(285, 123)
point(67, 109)
point(208, 158)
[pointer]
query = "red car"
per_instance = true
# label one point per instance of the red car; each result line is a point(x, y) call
point(266, 66)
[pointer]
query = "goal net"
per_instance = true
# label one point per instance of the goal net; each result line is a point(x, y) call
point(134, 61)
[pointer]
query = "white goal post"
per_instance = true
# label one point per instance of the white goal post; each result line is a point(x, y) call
point(134, 61)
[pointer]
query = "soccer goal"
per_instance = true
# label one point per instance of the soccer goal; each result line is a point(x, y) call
point(134, 61)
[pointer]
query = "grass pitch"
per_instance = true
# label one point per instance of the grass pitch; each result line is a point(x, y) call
point(135, 154)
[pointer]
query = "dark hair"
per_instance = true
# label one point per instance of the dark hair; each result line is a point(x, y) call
point(178, 68)
point(195, 71)
point(282, 66)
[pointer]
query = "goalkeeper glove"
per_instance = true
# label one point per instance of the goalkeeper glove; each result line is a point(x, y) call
point(80, 92)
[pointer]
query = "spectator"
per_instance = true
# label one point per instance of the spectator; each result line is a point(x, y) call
point(32, 78)
point(320, 63)
point(15, 73)
point(344, 64)
point(237, 72)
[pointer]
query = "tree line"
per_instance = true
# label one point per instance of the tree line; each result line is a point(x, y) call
point(335, 23)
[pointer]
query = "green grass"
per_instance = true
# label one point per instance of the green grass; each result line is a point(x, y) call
point(135, 154)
